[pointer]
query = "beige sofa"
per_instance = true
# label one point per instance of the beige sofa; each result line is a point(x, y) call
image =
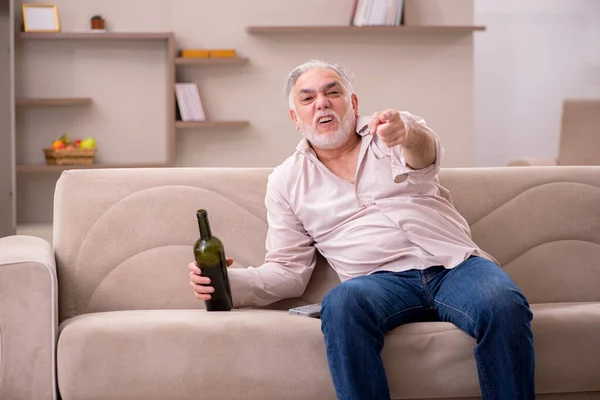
point(126, 325)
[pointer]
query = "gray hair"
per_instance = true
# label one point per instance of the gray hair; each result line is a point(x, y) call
point(346, 75)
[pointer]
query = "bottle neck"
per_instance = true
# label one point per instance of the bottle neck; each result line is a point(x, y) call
point(204, 225)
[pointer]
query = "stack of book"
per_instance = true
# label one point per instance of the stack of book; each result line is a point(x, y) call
point(189, 105)
point(377, 12)
point(208, 53)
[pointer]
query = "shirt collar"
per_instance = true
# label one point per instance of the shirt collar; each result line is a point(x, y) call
point(362, 128)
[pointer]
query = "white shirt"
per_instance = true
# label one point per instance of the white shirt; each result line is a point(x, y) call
point(393, 218)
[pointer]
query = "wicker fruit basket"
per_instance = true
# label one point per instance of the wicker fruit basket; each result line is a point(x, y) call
point(75, 156)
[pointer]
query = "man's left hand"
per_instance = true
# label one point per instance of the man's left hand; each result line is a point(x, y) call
point(389, 126)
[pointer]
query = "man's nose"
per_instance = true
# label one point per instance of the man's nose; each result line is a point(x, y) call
point(322, 102)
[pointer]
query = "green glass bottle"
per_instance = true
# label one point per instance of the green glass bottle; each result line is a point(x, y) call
point(209, 254)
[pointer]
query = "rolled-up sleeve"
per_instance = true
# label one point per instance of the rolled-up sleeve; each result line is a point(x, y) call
point(289, 262)
point(399, 165)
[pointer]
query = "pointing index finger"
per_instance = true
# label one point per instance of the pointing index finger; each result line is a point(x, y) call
point(389, 116)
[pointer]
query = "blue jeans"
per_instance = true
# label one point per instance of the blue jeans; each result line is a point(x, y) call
point(476, 296)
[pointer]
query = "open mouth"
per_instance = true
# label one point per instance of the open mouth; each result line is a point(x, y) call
point(325, 120)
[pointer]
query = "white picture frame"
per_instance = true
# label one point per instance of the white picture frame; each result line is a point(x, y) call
point(40, 18)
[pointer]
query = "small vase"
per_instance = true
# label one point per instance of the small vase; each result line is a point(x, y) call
point(97, 24)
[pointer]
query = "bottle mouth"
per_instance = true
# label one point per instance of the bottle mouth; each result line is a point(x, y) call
point(201, 212)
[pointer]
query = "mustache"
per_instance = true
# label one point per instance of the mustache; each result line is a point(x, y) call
point(322, 114)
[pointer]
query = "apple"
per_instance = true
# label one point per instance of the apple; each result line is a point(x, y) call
point(58, 144)
point(88, 143)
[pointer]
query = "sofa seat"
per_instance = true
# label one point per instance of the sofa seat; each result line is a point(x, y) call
point(268, 354)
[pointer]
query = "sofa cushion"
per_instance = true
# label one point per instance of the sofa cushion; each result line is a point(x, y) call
point(268, 354)
point(564, 335)
point(192, 354)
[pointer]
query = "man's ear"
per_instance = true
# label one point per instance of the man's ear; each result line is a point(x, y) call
point(294, 118)
point(354, 100)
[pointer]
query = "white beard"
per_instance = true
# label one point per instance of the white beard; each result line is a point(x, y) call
point(329, 140)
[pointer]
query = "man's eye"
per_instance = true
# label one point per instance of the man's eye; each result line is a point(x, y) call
point(306, 99)
point(334, 92)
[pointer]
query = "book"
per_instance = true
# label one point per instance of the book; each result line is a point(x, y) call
point(188, 102)
point(356, 18)
point(399, 12)
point(193, 53)
point(222, 53)
point(377, 13)
point(360, 12)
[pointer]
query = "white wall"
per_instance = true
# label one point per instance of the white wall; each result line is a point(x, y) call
point(533, 55)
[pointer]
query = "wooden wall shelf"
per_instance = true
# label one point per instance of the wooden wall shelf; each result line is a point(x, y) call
point(167, 37)
point(37, 168)
point(210, 124)
point(98, 36)
point(211, 61)
point(437, 29)
point(53, 102)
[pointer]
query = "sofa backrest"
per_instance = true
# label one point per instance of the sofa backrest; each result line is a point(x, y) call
point(124, 237)
point(580, 132)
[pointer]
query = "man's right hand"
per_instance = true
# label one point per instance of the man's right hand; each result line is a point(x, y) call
point(201, 284)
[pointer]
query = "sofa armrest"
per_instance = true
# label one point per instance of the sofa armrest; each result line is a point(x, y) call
point(533, 162)
point(28, 318)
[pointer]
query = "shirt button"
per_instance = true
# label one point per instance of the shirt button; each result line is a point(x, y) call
point(360, 195)
point(405, 228)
